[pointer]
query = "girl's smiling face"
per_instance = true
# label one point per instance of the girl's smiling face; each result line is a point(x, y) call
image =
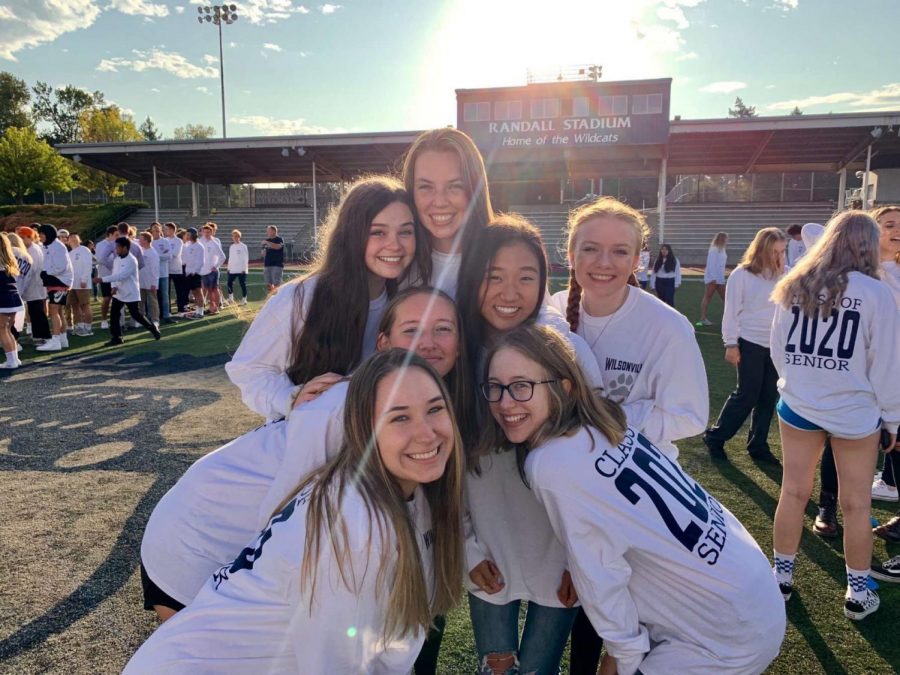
point(441, 196)
point(425, 324)
point(392, 241)
point(511, 287)
point(889, 240)
point(606, 252)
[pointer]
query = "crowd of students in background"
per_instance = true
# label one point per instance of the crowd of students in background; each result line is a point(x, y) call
point(451, 416)
point(48, 292)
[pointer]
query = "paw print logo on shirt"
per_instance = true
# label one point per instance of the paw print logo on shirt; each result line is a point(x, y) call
point(620, 387)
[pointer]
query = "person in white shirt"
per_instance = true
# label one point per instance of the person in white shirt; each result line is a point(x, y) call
point(834, 344)
point(643, 270)
point(666, 275)
point(126, 292)
point(57, 277)
point(238, 266)
point(193, 255)
point(657, 561)
point(714, 274)
point(445, 175)
point(34, 294)
point(649, 358)
point(351, 570)
point(149, 278)
point(105, 254)
point(163, 248)
point(796, 247)
point(370, 243)
point(746, 325)
point(176, 266)
point(213, 257)
point(79, 297)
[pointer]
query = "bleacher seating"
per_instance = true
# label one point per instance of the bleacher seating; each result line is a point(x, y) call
point(295, 226)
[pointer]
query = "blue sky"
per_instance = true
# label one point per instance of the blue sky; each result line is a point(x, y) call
point(388, 65)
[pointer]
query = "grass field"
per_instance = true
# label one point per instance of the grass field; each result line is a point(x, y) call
point(90, 439)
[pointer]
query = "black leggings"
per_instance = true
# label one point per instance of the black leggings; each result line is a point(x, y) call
point(242, 280)
point(584, 652)
point(426, 663)
point(40, 326)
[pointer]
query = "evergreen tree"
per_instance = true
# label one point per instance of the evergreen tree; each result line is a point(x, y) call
point(149, 130)
point(796, 111)
point(742, 110)
point(14, 96)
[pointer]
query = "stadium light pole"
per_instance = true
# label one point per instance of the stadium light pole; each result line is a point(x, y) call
point(219, 14)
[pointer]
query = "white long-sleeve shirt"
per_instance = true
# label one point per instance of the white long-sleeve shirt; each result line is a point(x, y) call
point(669, 578)
point(651, 366)
point(34, 287)
point(163, 248)
point(256, 615)
point(175, 262)
point(213, 255)
point(149, 273)
point(842, 373)
point(716, 259)
point(82, 264)
point(105, 252)
point(891, 276)
point(748, 310)
point(663, 274)
point(796, 249)
point(643, 270)
point(124, 279)
point(192, 254)
point(57, 262)
point(238, 258)
point(226, 497)
point(259, 366)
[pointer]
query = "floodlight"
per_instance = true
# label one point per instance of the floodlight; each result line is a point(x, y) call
point(301, 151)
point(285, 152)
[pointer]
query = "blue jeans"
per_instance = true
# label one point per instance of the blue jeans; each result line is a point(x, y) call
point(162, 295)
point(540, 650)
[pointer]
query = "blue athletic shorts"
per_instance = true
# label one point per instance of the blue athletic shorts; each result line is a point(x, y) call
point(792, 419)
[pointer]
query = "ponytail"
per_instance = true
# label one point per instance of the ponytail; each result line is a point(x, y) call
point(573, 310)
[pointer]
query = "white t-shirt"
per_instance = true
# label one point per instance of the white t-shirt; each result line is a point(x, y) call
point(82, 264)
point(892, 279)
point(238, 258)
point(651, 366)
point(842, 373)
point(149, 274)
point(213, 255)
point(796, 249)
point(57, 262)
point(445, 271)
point(748, 310)
point(193, 255)
point(175, 248)
point(716, 260)
point(255, 615)
point(226, 497)
point(669, 578)
point(662, 273)
point(258, 367)
point(507, 525)
point(124, 279)
point(163, 248)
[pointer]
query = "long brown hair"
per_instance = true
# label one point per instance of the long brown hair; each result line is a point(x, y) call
point(330, 337)
point(569, 410)
point(474, 176)
point(818, 280)
point(604, 207)
point(458, 380)
point(759, 259)
point(359, 466)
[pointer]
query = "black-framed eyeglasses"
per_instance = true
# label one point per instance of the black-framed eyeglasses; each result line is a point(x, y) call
point(519, 390)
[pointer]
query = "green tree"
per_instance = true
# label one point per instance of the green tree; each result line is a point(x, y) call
point(105, 125)
point(194, 132)
point(14, 96)
point(61, 109)
point(149, 130)
point(29, 164)
point(796, 111)
point(742, 110)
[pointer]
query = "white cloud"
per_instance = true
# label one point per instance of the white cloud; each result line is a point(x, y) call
point(6, 13)
point(138, 8)
point(687, 56)
point(210, 60)
point(723, 87)
point(156, 59)
point(262, 12)
point(770, 86)
point(34, 23)
point(154, 90)
point(674, 14)
point(270, 126)
point(203, 90)
point(787, 5)
point(272, 47)
point(886, 97)
point(179, 10)
point(232, 44)
point(329, 8)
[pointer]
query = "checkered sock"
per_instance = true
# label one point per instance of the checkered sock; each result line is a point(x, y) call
point(857, 584)
point(784, 567)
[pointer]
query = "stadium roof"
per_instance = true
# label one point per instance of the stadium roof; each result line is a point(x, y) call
point(759, 144)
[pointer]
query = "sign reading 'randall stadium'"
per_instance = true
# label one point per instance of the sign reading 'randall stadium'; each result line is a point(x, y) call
point(566, 114)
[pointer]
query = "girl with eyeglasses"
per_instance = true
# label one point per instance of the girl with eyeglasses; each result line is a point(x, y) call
point(352, 568)
point(669, 578)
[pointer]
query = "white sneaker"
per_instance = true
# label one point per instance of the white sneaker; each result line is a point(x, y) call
point(243, 302)
point(18, 348)
point(104, 325)
point(10, 365)
point(27, 329)
point(853, 609)
point(63, 341)
point(883, 492)
point(51, 345)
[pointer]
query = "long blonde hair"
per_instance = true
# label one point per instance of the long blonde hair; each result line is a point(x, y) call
point(8, 262)
point(818, 281)
point(882, 211)
point(605, 207)
point(18, 246)
point(359, 466)
point(569, 410)
point(719, 240)
point(759, 258)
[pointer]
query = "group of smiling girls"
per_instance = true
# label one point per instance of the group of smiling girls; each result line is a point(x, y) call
point(436, 422)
